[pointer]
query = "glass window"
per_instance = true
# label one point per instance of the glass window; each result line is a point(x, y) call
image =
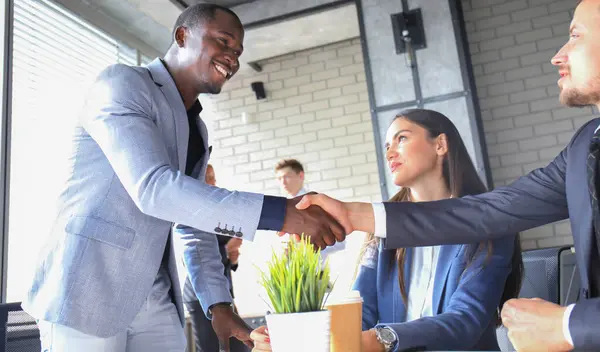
point(55, 58)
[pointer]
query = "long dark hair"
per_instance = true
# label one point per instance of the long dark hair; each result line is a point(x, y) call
point(461, 179)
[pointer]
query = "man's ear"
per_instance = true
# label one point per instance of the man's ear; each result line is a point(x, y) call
point(441, 144)
point(180, 36)
point(301, 174)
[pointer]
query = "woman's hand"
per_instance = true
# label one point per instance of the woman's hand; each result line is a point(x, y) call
point(260, 336)
point(370, 342)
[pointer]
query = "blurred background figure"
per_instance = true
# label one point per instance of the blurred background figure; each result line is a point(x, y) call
point(290, 175)
point(203, 334)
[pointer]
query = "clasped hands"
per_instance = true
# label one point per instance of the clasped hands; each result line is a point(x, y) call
point(325, 220)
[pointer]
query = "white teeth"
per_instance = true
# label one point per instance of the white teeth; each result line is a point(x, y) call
point(222, 70)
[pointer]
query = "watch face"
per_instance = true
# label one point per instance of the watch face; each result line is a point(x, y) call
point(387, 335)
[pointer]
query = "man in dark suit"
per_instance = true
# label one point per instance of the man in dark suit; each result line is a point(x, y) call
point(567, 188)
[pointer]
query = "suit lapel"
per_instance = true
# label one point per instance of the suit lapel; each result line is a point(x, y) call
point(200, 167)
point(163, 79)
point(445, 258)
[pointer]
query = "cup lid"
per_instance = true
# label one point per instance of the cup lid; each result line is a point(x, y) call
point(345, 298)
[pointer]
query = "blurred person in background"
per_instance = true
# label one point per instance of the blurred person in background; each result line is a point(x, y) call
point(290, 175)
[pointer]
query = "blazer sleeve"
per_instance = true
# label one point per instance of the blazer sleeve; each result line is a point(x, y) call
point(119, 116)
point(204, 264)
point(470, 309)
point(533, 200)
point(584, 325)
point(366, 284)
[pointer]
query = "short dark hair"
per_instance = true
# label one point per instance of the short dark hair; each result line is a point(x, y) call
point(198, 14)
point(291, 163)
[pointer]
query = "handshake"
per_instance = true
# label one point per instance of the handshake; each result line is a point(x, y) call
point(325, 220)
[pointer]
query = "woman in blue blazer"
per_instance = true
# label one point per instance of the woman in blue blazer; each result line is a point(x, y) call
point(442, 297)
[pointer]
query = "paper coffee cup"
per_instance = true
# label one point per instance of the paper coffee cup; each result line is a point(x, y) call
point(346, 322)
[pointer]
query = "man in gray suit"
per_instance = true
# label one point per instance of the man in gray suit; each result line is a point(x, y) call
point(107, 277)
point(567, 188)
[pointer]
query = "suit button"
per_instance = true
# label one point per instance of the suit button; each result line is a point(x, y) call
point(218, 228)
point(239, 233)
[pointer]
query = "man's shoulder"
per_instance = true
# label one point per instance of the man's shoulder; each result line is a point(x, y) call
point(583, 136)
point(125, 74)
point(589, 128)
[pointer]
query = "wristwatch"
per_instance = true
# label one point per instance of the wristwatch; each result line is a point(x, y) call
point(386, 336)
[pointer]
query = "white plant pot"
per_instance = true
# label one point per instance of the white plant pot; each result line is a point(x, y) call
point(299, 332)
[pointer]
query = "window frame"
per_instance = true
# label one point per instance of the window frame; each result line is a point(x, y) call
point(6, 23)
point(6, 72)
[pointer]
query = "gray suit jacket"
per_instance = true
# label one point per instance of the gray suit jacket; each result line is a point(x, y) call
point(556, 192)
point(126, 188)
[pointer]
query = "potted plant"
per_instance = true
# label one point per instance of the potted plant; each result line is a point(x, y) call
point(296, 285)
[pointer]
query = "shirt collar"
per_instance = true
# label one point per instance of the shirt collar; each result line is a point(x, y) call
point(195, 109)
point(301, 192)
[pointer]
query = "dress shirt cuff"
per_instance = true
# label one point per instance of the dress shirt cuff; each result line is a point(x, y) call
point(565, 324)
point(380, 219)
point(272, 213)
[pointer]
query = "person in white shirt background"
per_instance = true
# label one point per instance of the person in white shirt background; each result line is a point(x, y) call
point(290, 175)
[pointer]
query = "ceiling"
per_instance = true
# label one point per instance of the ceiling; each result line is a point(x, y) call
point(226, 3)
point(152, 20)
point(300, 33)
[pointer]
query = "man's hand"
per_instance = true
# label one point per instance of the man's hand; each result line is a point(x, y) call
point(233, 250)
point(370, 343)
point(535, 325)
point(228, 324)
point(322, 229)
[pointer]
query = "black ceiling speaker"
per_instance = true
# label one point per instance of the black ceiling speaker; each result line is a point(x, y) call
point(259, 89)
point(408, 31)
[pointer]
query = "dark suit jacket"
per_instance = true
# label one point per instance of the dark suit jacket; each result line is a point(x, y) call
point(545, 195)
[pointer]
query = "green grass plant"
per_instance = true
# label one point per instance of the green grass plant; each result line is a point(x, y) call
point(296, 282)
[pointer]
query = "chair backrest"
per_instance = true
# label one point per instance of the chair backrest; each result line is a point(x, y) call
point(19, 331)
point(569, 279)
point(543, 278)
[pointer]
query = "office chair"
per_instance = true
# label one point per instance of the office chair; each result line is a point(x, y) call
point(19, 331)
point(549, 274)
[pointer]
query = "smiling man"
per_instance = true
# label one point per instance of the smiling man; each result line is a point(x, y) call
point(107, 278)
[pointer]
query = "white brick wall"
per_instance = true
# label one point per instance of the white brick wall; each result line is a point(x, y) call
point(511, 44)
point(316, 111)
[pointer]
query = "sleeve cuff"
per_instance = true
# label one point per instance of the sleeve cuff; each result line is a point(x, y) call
point(565, 324)
point(272, 213)
point(380, 219)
